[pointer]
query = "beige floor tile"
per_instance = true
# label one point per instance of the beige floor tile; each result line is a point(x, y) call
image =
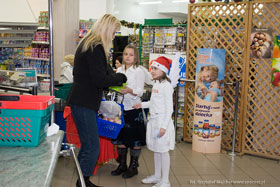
point(214, 178)
point(271, 185)
point(268, 179)
point(59, 182)
point(267, 163)
point(246, 185)
point(255, 171)
point(207, 171)
point(184, 171)
point(180, 163)
point(188, 180)
point(188, 169)
point(136, 180)
point(111, 180)
point(201, 163)
point(238, 177)
point(273, 171)
point(232, 171)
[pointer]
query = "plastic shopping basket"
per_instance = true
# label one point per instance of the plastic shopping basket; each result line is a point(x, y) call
point(62, 90)
point(24, 119)
point(110, 129)
point(107, 128)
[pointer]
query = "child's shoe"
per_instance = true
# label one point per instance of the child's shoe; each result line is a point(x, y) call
point(162, 184)
point(151, 180)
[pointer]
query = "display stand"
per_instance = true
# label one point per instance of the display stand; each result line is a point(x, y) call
point(236, 85)
point(160, 36)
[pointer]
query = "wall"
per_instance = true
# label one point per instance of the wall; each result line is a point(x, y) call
point(37, 6)
point(131, 11)
point(65, 32)
point(92, 9)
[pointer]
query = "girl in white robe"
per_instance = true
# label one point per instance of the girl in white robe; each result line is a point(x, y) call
point(160, 134)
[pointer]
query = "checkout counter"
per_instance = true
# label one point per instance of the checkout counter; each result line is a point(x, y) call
point(30, 166)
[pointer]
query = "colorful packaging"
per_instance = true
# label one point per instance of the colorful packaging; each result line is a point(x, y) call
point(275, 79)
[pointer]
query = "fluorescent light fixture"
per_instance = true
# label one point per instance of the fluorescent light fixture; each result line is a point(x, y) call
point(180, 1)
point(150, 2)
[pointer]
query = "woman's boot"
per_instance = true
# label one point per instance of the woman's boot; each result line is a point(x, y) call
point(132, 170)
point(87, 182)
point(122, 160)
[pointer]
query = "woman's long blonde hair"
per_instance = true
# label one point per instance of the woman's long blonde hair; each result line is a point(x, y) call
point(101, 33)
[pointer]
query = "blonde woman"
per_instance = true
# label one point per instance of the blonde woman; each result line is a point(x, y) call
point(91, 75)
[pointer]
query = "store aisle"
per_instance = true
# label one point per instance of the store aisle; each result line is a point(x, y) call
point(188, 169)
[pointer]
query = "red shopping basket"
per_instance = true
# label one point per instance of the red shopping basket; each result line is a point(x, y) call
point(24, 119)
point(107, 149)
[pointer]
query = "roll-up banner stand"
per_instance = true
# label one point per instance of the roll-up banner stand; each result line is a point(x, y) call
point(208, 105)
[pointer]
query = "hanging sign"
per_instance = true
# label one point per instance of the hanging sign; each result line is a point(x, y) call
point(208, 106)
point(276, 62)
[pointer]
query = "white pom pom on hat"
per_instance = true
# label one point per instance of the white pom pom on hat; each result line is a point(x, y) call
point(162, 63)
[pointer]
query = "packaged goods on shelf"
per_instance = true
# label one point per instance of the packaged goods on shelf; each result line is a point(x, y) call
point(11, 58)
point(44, 19)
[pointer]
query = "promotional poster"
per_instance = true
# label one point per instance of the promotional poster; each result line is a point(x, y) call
point(261, 43)
point(275, 79)
point(208, 105)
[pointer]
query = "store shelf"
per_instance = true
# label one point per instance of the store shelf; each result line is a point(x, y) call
point(34, 58)
point(43, 75)
point(11, 31)
point(15, 38)
point(43, 28)
point(15, 45)
point(40, 42)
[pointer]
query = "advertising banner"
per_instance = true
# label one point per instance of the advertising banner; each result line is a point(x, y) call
point(208, 106)
point(275, 79)
point(261, 43)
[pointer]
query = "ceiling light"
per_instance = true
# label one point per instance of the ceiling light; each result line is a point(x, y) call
point(150, 2)
point(180, 1)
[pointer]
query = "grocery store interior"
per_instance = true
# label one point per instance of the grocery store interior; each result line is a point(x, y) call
point(242, 148)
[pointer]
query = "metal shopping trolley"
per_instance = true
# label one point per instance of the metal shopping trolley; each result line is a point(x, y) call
point(107, 130)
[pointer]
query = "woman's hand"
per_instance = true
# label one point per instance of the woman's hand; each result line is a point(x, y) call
point(161, 132)
point(137, 106)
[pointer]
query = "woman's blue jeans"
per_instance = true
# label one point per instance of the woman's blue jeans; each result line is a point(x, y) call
point(85, 120)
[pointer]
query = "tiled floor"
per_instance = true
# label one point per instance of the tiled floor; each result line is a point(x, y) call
point(188, 169)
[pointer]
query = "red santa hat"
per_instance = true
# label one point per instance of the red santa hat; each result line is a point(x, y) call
point(162, 63)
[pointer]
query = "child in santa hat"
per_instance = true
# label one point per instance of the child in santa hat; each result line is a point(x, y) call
point(160, 134)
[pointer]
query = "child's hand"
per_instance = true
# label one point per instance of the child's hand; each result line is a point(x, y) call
point(161, 132)
point(126, 90)
point(137, 106)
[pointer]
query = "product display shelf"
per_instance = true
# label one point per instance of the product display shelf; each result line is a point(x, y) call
point(34, 58)
point(160, 36)
point(16, 35)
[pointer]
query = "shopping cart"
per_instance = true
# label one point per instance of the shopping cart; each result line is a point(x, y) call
point(106, 129)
